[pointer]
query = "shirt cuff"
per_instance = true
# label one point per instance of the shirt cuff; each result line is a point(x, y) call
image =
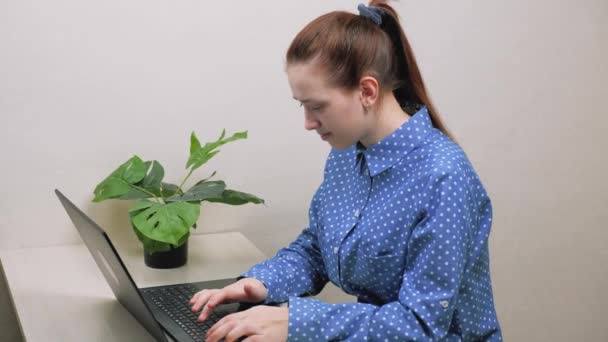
point(305, 317)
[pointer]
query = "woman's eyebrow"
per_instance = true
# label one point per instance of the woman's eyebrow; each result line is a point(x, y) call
point(318, 102)
point(305, 100)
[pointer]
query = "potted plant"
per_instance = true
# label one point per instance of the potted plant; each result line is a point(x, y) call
point(164, 213)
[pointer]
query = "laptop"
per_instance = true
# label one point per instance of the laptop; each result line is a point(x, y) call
point(164, 311)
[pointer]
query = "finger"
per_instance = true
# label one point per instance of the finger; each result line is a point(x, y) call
point(196, 295)
point(201, 300)
point(254, 338)
point(253, 293)
point(241, 329)
point(224, 320)
point(214, 301)
point(249, 290)
point(193, 299)
point(220, 331)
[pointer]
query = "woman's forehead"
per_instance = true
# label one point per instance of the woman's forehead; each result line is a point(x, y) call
point(307, 82)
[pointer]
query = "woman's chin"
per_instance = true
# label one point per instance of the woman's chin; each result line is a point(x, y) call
point(338, 145)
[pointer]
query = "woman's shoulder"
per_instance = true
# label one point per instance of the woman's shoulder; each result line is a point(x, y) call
point(441, 157)
point(446, 155)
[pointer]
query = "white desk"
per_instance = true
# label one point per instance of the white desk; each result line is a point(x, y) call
point(60, 294)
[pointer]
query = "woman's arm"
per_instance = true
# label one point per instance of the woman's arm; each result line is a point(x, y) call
point(295, 270)
point(439, 252)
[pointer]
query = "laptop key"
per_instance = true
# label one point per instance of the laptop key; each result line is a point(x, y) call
point(174, 301)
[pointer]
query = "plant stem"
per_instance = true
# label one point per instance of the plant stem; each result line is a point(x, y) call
point(147, 192)
point(179, 188)
point(208, 178)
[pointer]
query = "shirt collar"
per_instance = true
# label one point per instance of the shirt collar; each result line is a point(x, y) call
point(387, 152)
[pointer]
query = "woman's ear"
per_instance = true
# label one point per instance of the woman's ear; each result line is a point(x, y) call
point(369, 91)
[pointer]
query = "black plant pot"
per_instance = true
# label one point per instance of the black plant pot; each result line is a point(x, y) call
point(175, 257)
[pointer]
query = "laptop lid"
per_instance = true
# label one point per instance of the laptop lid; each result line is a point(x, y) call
point(112, 267)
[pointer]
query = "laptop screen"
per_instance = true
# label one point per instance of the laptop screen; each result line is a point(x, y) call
point(112, 267)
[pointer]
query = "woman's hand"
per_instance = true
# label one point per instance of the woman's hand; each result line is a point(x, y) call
point(247, 290)
point(260, 323)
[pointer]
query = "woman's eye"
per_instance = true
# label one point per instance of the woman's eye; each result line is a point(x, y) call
point(313, 109)
point(316, 109)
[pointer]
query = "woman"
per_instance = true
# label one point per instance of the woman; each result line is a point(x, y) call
point(401, 219)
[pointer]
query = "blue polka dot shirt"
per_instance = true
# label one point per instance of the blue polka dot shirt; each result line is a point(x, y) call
point(403, 225)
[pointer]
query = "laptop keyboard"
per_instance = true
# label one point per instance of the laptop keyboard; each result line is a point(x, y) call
point(175, 302)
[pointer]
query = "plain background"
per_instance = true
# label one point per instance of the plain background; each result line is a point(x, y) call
point(84, 85)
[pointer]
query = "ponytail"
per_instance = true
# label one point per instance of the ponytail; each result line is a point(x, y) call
point(409, 85)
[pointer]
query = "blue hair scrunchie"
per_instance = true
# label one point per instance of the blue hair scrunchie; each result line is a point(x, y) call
point(371, 12)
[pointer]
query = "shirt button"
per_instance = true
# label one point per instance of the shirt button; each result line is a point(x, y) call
point(336, 249)
point(357, 213)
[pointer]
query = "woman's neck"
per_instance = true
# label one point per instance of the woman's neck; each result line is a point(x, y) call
point(385, 121)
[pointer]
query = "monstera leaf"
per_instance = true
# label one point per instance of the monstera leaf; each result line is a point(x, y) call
point(168, 223)
point(153, 246)
point(168, 189)
point(201, 191)
point(200, 155)
point(151, 183)
point(234, 197)
point(119, 182)
point(150, 246)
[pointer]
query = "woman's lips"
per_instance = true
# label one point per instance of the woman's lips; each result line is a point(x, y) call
point(325, 136)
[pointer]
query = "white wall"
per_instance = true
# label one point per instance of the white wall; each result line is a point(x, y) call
point(84, 85)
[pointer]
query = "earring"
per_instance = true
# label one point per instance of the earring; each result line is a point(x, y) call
point(365, 110)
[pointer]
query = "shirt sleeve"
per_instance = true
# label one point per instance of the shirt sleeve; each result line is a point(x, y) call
point(425, 304)
point(295, 270)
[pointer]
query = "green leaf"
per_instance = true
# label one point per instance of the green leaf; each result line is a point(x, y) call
point(151, 182)
point(119, 182)
point(155, 175)
point(168, 189)
point(195, 144)
point(183, 239)
point(234, 197)
point(201, 191)
point(139, 206)
point(200, 155)
point(150, 246)
point(134, 194)
point(165, 222)
point(201, 159)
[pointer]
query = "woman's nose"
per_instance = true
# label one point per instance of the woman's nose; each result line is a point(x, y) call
point(311, 124)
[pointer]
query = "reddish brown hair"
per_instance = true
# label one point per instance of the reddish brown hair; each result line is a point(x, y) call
point(349, 46)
